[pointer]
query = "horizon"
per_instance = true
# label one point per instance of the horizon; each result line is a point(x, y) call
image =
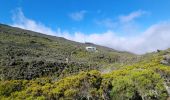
point(134, 26)
point(85, 41)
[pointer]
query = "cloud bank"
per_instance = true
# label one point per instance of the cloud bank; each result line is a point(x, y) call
point(155, 37)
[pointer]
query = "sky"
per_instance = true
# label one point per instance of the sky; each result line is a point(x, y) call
point(137, 26)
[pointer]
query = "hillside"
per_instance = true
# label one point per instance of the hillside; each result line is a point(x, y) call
point(26, 55)
point(34, 66)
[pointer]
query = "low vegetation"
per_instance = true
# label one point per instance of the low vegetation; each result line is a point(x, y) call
point(34, 67)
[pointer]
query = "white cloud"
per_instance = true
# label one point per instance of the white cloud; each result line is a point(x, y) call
point(124, 23)
point(132, 16)
point(21, 21)
point(78, 16)
point(155, 37)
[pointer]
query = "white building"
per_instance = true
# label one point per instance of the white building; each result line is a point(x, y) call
point(90, 48)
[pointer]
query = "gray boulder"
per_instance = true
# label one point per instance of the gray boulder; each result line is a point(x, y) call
point(166, 60)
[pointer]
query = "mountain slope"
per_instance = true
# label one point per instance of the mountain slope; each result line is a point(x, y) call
point(34, 66)
point(25, 55)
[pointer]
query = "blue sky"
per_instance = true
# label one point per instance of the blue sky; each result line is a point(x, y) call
point(104, 22)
